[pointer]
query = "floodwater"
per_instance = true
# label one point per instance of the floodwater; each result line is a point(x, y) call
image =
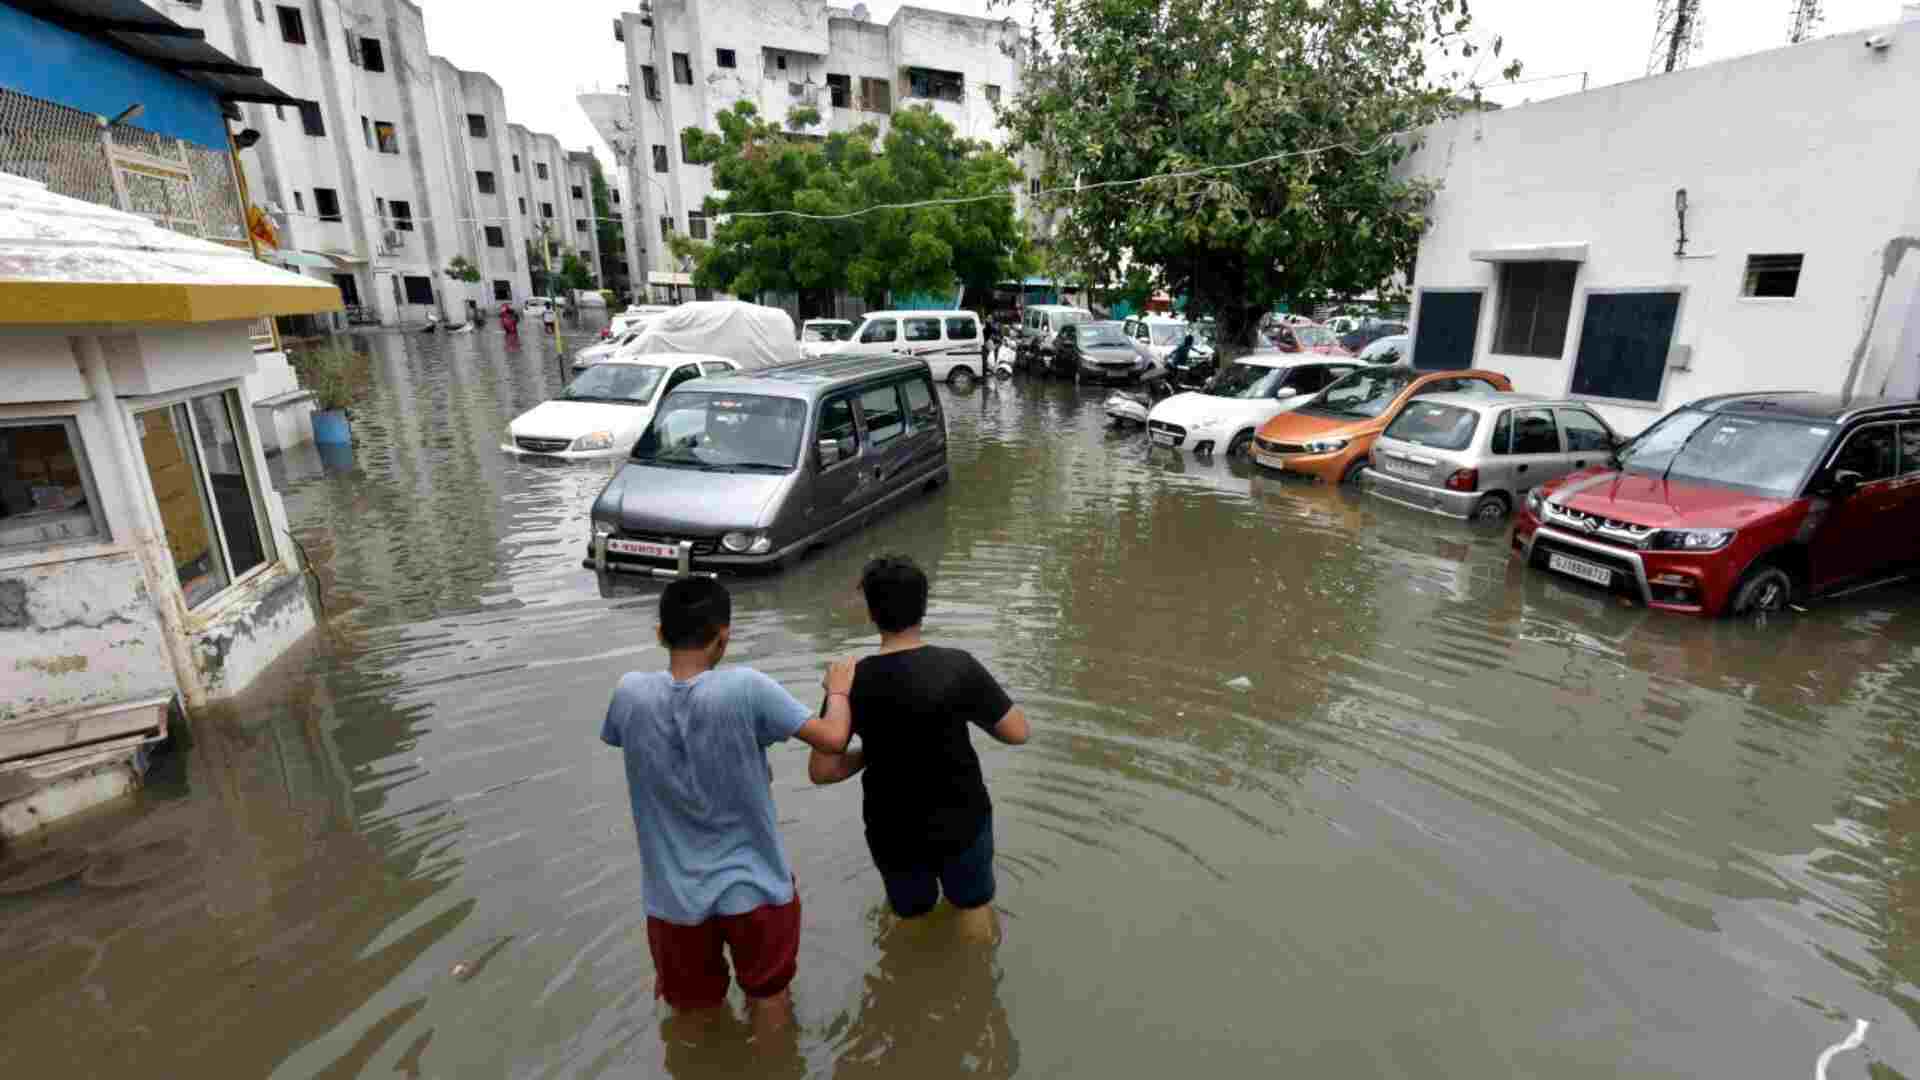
point(1457, 820)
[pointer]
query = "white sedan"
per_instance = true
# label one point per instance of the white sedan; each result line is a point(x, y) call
point(604, 410)
point(1253, 390)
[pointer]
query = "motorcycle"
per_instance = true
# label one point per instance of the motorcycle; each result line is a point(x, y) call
point(1193, 372)
point(1129, 408)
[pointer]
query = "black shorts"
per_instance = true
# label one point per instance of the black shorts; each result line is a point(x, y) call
point(967, 879)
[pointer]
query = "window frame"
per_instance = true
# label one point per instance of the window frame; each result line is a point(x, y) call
point(696, 225)
point(486, 182)
point(839, 94)
point(1575, 329)
point(915, 421)
point(476, 125)
point(893, 337)
point(906, 329)
point(70, 418)
point(1498, 346)
point(406, 290)
point(496, 237)
point(292, 32)
point(502, 285)
point(971, 324)
point(378, 55)
point(1845, 441)
point(661, 161)
point(1559, 440)
point(852, 398)
point(682, 65)
point(319, 205)
point(1748, 275)
point(234, 393)
point(902, 426)
point(1566, 441)
point(725, 58)
point(313, 119)
point(540, 169)
point(392, 138)
point(402, 211)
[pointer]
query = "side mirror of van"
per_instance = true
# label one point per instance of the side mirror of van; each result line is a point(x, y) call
point(1286, 392)
point(1846, 482)
point(829, 450)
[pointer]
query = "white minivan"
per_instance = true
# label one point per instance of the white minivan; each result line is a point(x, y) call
point(948, 340)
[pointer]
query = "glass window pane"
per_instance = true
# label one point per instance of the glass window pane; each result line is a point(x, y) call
point(836, 424)
point(1534, 433)
point(1870, 452)
point(885, 421)
point(1503, 433)
point(926, 414)
point(233, 497)
point(1584, 431)
point(166, 442)
point(961, 330)
point(923, 329)
point(1909, 449)
point(43, 487)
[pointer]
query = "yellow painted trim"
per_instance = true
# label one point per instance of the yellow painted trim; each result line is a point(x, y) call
point(55, 302)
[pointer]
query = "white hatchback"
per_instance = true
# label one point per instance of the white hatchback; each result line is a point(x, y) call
point(1251, 391)
point(607, 407)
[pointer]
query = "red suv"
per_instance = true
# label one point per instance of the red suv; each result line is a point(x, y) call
point(1739, 503)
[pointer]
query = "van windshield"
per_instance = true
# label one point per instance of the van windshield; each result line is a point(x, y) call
point(1766, 457)
point(723, 432)
point(827, 332)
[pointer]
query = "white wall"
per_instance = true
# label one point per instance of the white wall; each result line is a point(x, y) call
point(1790, 151)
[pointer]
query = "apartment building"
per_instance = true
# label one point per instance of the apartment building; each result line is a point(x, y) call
point(398, 162)
point(689, 61)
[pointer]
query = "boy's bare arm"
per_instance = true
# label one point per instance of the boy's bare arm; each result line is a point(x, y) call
point(1012, 728)
point(824, 768)
point(833, 728)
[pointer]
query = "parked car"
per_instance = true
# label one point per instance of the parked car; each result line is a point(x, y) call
point(602, 412)
point(535, 306)
point(1307, 339)
point(1392, 349)
point(949, 340)
point(1477, 455)
point(637, 315)
point(1250, 392)
point(1161, 334)
point(1331, 436)
point(1100, 352)
point(1354, 341)
point(1033, 349)
point(818, 337)
point(1742, 503)
point(753, 469)
point(602, 350)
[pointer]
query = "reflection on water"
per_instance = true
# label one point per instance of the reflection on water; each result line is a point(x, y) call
point(1315, 781)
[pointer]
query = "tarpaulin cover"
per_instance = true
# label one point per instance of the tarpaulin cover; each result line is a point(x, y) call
point(747, 334)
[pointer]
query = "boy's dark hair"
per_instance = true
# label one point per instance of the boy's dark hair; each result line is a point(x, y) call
point(692, 611)
point(896, 591)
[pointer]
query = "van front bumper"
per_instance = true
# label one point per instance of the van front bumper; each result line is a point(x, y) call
point(1453, 504)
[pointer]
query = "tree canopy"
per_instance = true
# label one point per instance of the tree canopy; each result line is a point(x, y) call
point(1321, 96)
point(759, 165)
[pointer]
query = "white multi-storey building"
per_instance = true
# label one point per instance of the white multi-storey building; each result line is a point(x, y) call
point(689, 62)
point(401, 162)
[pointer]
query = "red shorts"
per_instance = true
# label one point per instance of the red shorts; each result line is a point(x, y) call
point(691, 961)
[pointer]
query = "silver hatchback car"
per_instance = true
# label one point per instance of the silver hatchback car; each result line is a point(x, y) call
point(1476, 455)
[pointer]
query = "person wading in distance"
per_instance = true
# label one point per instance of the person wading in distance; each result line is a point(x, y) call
point(929, 820)
point(714, 875)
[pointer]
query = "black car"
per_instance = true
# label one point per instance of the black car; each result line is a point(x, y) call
point(1099, 352)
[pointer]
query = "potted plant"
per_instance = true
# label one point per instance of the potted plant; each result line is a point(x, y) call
point(335, 373)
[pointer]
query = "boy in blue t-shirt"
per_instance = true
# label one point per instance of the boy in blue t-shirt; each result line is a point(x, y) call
point(714, 875)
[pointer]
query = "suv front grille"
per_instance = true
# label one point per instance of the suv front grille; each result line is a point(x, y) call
point(1279, 447)
point(1162, 427)
point(541, 446)
point(1605, 529)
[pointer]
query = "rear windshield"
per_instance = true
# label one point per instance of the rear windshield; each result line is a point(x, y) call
point(1442, 427)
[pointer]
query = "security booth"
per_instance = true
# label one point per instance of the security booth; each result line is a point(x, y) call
point(145, 566)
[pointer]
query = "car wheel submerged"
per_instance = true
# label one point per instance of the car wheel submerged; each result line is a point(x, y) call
point(960, 378)
point(1237, 449)
point(1764, 590)
point(1352, 475)
point(1490, 508)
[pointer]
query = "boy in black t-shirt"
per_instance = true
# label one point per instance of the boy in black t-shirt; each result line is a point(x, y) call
point(929, 820)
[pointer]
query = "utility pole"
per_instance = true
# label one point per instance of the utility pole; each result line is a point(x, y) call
point(1676, 33)
point(1806, 17)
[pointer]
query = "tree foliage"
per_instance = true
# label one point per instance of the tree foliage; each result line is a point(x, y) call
point(761, 165)
point(1320, 93)
point(459, 269)
point(574, 272)
point(607, 228)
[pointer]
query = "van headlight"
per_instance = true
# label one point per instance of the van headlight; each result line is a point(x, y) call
point(1692, 539)
point(602, 528)
point(598, 440)
point(747, 543)
point(1326, 446)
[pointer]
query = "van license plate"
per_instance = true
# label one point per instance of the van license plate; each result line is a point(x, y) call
point(1163, 438)
point(1580, 568)
point(641, 547)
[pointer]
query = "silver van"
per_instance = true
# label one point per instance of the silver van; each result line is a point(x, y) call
point(751, 469)
point(1476, 455)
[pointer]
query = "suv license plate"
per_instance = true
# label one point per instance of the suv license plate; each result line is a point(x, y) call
point(1580, 568)
point(652, 551)
point(1163, 438)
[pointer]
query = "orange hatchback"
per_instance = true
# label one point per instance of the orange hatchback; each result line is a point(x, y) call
point(1331, 436)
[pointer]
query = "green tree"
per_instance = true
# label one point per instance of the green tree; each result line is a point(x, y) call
point(1320, 94)
point(459, 269)
point(760, 165)
point(607, 227)
point(574, 273)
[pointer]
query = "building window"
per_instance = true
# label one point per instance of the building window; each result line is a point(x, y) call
point(353, 49)
point(326, 203)
point(46, 489)
point(516, 163)
point(371, 57)
point(659, 159)
point(1772, 275)
point(259, 12)
point(484, 179)
point(496, 236)
point(666, 228)
point(650, 82)
point(613, 194)
point(502, 290)
point(201, 469)
point(686, 141)
point(876, 95)
point(311, 120)
point(419, 289)
point(1033, 186)
point(402, 215)
point(546, 209)
point(937, 85)
point(840, 91)
point(1536, 300)
point(299, 203)
point(293, 26)
point(696, 225)
point(523, 204)
point(477, 125)
point(540, 169)
point(386, 137)
point(577, 193)
point(724, 57)
point(682, 69)
point(279, 111)
point(366, 131)
point(380, 209)
point(1625, 340)
point(580, 224)
point(992, 92)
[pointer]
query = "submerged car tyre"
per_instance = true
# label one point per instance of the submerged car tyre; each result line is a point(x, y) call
point(1352, 475)
point(960, 377)
point(1765, 589)
point(1237, 449)
point(1491, 508)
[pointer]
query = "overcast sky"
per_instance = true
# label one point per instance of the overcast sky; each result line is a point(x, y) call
point(546, 53)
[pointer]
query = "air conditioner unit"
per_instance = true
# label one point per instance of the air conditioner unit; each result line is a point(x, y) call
point(392, 240)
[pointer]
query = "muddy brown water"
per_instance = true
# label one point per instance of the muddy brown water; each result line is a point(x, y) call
point(1464, 821)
